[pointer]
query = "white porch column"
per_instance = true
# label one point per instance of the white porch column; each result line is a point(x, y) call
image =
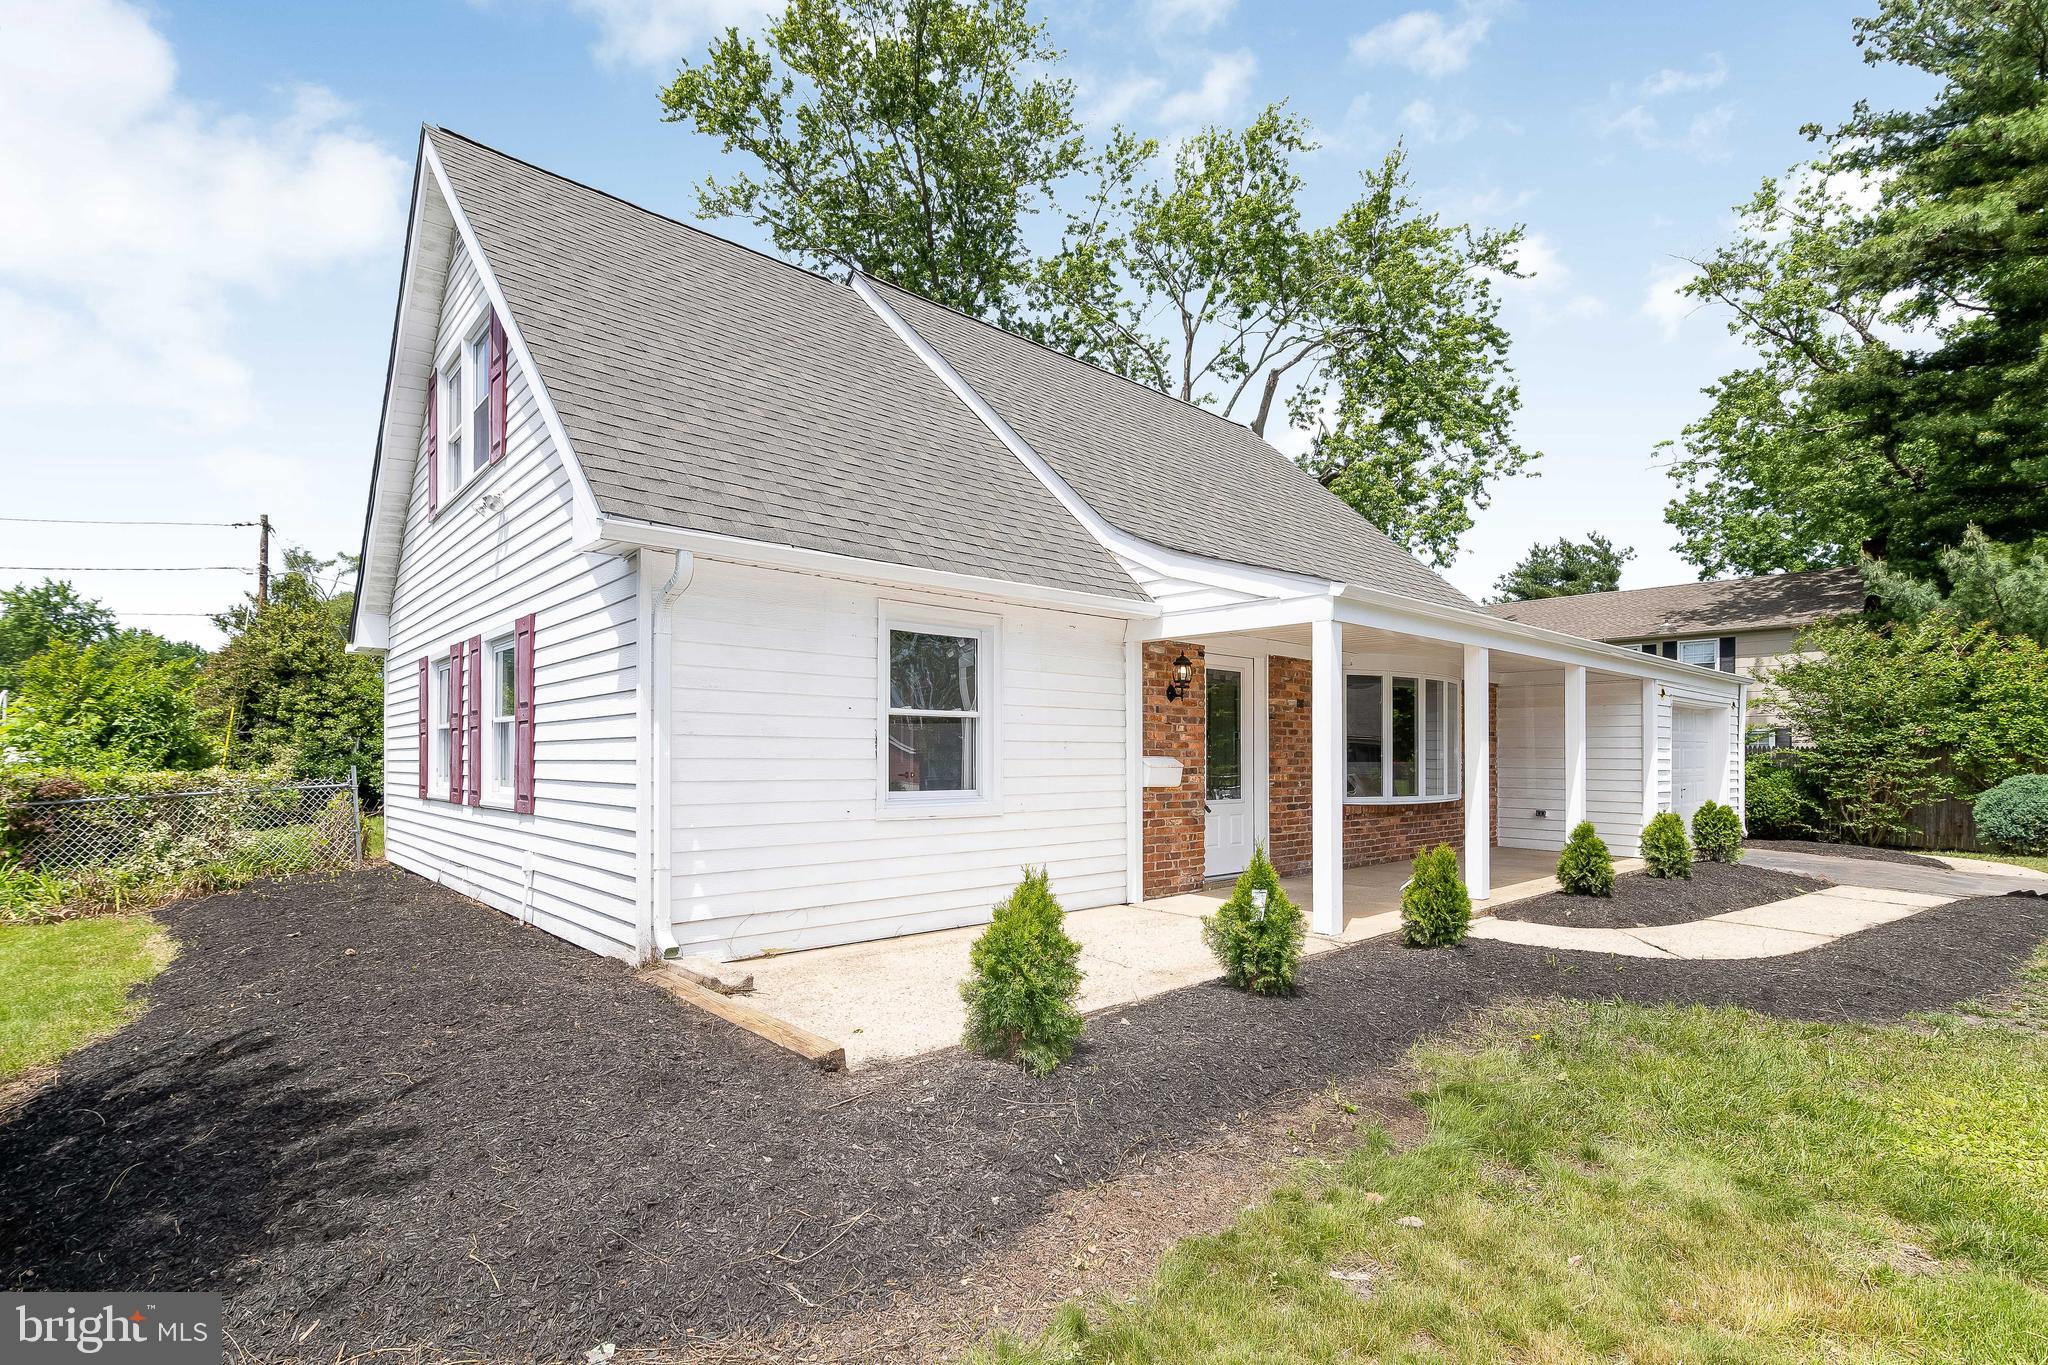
point(1326, 787)
point(1574, 746)
point(1478, 774)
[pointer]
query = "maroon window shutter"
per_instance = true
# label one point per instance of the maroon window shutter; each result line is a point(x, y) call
point(426, 699)
point(475, 770)
point(522, 714)
point(433, 443)
point(499, 370)
point(455, 688)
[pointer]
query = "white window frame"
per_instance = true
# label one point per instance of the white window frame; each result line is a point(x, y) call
point(441, 734)
point(984, 798)
point(498, 727)
point(1455, 752)
point(1712, 645)
point(457, 369)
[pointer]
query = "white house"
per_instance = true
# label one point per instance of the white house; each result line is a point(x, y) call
point(727, 607)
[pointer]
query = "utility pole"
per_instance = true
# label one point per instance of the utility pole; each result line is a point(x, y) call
point(263, 560)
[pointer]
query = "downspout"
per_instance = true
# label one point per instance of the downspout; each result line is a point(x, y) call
point(658, 939)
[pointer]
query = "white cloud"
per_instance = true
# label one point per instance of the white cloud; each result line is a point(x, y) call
point(1671, 81)
point(1431, 124)
point(137, 217)
point(1425, 41)
point(1104, 104)
point(1187, 16)
point(1662, 303)
point(657, 33)
point(1221, 93)
point(1704, 136)
point(1544, 287)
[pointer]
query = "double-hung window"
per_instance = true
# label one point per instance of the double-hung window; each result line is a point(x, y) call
point(454, 424)
point(465, 402)
point(1705, 653)
point(935, 689)
point(501, 685)
point(444, 735)
point(479, 395)
point(1401, 738)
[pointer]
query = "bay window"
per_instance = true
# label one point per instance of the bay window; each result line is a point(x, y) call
point(1401, 739)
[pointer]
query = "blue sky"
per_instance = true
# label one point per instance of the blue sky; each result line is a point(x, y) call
point(198, 265)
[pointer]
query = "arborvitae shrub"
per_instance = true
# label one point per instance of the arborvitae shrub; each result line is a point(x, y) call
point(1259, 951)
point(1585, 867)
point(1717, 833)
point(1665, 847)
point(1020, 999)
point(2013, 816)
point(1436, 910)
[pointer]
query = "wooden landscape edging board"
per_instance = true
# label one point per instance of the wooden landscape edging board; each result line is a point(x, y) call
point(820, 1052)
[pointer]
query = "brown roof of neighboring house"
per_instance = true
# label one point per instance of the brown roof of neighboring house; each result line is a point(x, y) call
point(1730, 604)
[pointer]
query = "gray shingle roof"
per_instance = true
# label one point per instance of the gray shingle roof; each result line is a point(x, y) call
point(1166, 471)
point(1773, 600)
point(710, 387)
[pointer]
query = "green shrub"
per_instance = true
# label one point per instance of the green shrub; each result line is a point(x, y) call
point(1775, 798)
point(1716, 833)
point(1665, 847)
point(1020, 999)
point(1585, 868)
point(1259, 949)
point(2013, 816)
point(1436, 910)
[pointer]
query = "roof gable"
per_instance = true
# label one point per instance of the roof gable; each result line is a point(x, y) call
point(708, 387)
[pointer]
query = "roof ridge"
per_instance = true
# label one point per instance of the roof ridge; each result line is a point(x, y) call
point(1675, 587)
point(669, 218)
point(1076, 360)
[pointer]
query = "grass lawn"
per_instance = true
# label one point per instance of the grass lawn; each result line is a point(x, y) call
point(373, 836)
point(1606, 1182)
point(2039, 864)
point(63, 985)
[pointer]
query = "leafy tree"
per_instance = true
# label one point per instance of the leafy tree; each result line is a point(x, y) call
point(1564, 568)
point(1903, 714)
point(287, 688)
point(1894, 294)
point(1210, 284)
point(904, 137)
point(126, 701)
point(34, 618)
point(2005, 587)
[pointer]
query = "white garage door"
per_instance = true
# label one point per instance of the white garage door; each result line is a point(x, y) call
point(1695, 751)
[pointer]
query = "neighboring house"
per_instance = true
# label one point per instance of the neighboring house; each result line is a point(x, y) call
point(726, 607)
point(1739, 625)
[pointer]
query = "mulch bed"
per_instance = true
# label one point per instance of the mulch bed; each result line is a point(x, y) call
point(470, 1138)
point(1640, 900)
point(1833, 850)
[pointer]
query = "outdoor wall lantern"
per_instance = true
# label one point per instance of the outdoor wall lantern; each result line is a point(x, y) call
point(1183, 678)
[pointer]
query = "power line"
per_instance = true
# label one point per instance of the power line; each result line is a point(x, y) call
point(125, 568)
point(96, 521)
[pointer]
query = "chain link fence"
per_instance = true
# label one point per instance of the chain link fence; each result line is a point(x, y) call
point(229, 833)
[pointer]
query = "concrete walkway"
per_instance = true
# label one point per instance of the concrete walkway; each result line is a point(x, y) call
point(1868, 892)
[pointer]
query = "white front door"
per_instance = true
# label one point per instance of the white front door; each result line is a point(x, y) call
point(1229, 830)
point(1695, 736)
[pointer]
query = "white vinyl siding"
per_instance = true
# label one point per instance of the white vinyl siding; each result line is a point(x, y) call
point(1531, 761)
point(781, 836)
point(467, 573)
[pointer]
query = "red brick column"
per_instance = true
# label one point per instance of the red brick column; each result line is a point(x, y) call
point(1372, 834)
point(1174, 816)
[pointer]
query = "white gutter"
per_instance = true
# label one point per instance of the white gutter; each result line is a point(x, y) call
point(657, 938)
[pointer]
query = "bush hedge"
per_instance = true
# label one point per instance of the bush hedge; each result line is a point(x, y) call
point(1776, 798)
point(1020, 999)
point(2013, 816)
point(1665, 847)
point(1259, 948)
point(1717, 833)
point(1585, 868)
point(1436, 909)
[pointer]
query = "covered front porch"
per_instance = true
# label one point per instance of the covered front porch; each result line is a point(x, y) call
point(1344, 734)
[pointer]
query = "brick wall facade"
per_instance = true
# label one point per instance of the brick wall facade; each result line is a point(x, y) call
point(1175, 729)
point(1372, 834)
point(1174, 815)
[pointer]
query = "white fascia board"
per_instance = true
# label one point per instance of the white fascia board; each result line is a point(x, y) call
point(1238, 617)
point(1176, 563)
point(1366, 607)
point(613, 532)
point(583, 502)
